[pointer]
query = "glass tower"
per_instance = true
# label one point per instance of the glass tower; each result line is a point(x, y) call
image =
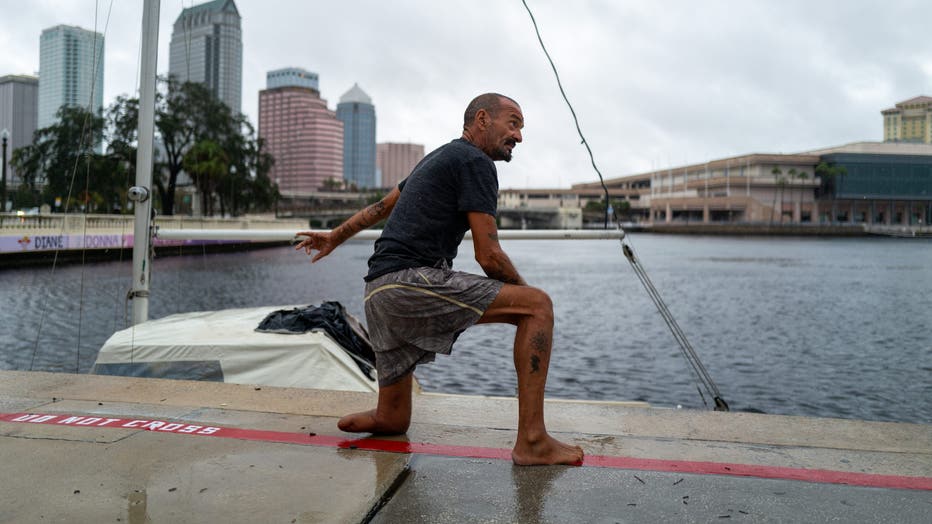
point(207, 47)
point(71, 71)
point(357, 113)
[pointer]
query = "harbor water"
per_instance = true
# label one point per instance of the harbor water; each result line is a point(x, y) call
point(794, 326)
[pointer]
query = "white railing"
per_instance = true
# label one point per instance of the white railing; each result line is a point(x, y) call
point(372, 234)
point(79, 223)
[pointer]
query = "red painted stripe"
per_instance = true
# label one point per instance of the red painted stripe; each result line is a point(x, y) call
point(400, 446)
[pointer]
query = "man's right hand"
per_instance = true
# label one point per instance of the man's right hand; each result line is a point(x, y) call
point(322, 241)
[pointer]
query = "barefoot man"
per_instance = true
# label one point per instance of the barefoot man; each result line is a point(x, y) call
point(416, 305)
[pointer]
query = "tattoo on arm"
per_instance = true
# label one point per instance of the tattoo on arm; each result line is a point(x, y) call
point(375, 212)
point(499, 273)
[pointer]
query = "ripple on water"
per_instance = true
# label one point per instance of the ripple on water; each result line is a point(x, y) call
point(826, 327)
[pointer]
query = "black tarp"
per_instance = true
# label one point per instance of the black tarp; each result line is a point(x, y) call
point(331, 317)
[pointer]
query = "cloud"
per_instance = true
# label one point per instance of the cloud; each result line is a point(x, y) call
point(653, 84)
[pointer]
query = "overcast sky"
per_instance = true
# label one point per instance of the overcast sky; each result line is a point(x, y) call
point(654, 83)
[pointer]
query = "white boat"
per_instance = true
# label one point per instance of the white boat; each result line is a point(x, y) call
point(224, 346)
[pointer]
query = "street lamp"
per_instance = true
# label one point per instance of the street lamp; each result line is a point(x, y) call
point(3, 137)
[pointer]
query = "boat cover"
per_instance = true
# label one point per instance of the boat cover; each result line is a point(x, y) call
point(225, 346)
point(334, 320)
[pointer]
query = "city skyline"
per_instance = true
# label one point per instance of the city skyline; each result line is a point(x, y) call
point(652, 85)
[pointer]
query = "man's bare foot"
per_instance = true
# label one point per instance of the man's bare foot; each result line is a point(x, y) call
point(368, 422)
point(544, 451)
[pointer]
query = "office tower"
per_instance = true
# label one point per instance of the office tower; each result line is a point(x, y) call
point(357, 113)
point(19, 113)
point(302, 135)
point(207, 47)
point(71, 71)
point(396, 161)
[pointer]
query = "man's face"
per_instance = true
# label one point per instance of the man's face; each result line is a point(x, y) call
point(505, 132)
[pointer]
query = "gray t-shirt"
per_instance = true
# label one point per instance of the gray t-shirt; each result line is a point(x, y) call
point(429, 220)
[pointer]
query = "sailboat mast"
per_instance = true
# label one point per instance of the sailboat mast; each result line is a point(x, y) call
point(142, 191)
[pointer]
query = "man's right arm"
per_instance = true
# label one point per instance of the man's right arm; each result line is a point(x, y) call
point(489, 253)
point(326, 241)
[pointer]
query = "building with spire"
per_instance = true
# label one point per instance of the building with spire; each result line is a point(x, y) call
point(357, 113)
point(303, 136)
point(71, 71)
point(207, 47)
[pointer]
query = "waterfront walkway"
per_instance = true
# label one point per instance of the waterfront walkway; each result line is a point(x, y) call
point(78, 448)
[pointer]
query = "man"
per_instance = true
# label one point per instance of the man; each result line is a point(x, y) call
point(416, 306)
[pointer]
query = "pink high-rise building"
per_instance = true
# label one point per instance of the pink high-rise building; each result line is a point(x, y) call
point(396, 161)
point(304, 137)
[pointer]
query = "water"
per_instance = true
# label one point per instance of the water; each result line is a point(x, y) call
point(823, 327)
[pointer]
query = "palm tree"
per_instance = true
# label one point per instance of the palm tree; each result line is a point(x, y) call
point(206, 162)
point(829, 175)
point(776, 172)
point(792, 176)
point(802, 176)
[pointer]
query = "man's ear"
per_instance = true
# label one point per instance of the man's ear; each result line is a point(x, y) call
point(483, 119)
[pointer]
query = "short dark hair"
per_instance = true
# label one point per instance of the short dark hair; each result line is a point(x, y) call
point(491, 102)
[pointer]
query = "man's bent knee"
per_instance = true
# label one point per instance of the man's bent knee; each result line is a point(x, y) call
point(514, 302)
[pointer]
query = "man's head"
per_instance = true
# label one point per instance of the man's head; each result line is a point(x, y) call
point(493, 122)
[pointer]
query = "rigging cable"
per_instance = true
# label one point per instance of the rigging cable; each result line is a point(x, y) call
point(689, 353)
point(85, 136)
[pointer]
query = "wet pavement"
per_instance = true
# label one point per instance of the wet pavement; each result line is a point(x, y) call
point(78, 448)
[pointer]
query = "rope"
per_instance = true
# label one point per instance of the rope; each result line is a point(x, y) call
point(81, 147)
point(572, 111)
point(687, 349)
point(688, 352)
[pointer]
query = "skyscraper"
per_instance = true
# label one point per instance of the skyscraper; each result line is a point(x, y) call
point(357, 113)
point(71, 71)
point(302, 135)
point(207, 47)
point(19, 113)
point(396, 161)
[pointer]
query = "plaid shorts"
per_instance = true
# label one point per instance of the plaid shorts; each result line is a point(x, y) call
point(413, 314)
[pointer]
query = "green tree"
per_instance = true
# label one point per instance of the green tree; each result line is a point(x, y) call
point(830, 176)
point(207, 163)
point(62, 164)
point(802, 176)
point(777, 174)
point(791, 176)
point(190, 114)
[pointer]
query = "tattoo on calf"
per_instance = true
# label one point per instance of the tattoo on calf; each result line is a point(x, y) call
point(535, 363)
point(540, 343)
